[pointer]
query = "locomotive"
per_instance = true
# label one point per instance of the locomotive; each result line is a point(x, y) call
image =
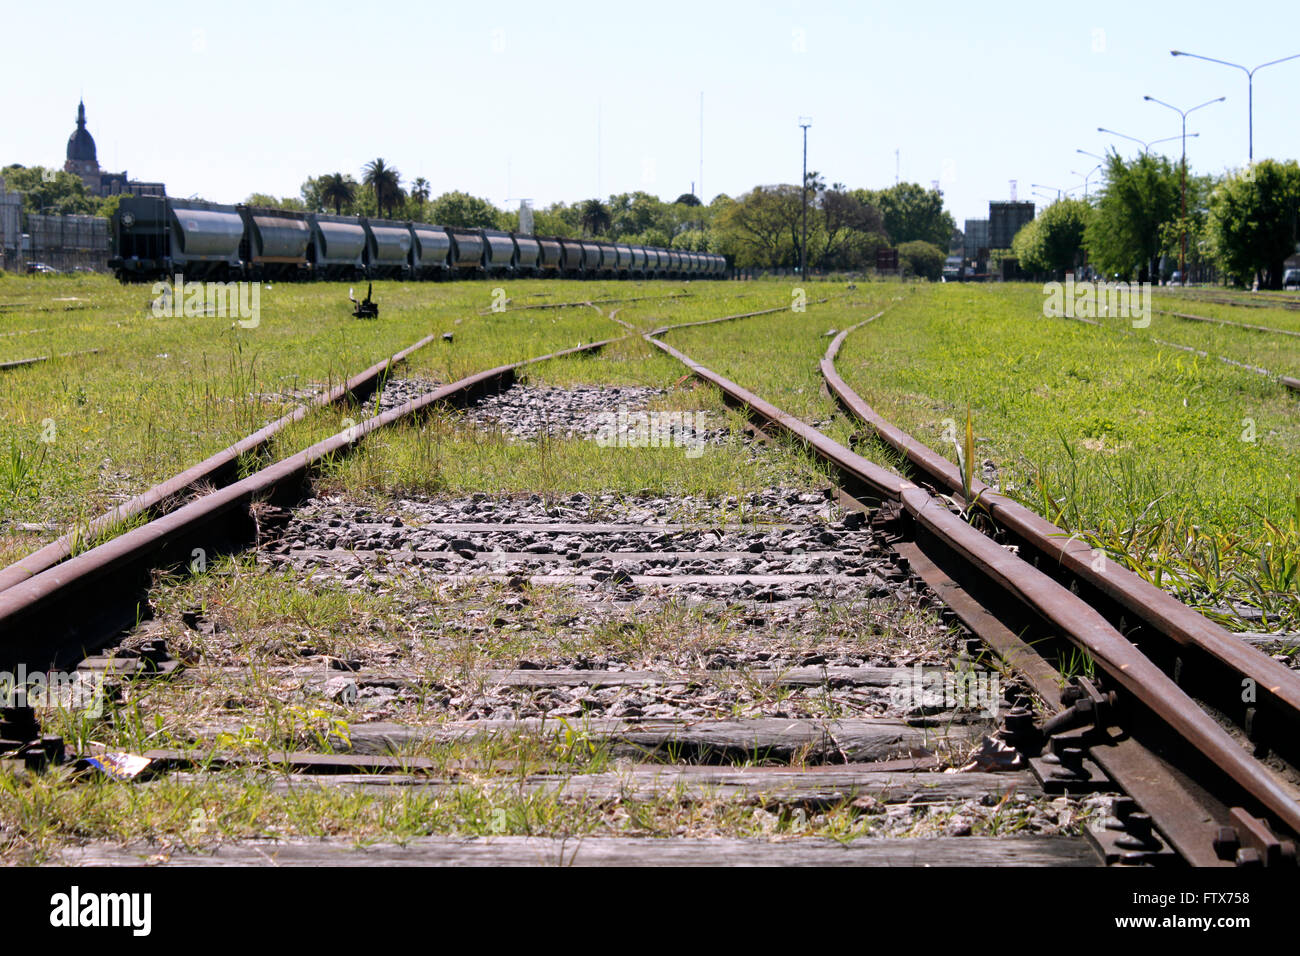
point(154, 237)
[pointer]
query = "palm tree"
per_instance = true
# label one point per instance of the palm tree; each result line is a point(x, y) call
point(595, 217)
point(420, 189)
point(336, 189)
point(385, 181)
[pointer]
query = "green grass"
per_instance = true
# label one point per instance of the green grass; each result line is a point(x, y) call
point(79, 434)
point(1137, 446)
point(269, 620)
point(1238, 308)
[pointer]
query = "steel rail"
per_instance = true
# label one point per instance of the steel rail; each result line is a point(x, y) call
point(574, 305)
point(73, 607)
point(1226, 322)
point(39, 359)
point(1277, 686)
point(725, 318)
point(215, 470)
point(1073, 618)
point(1283, 380)
point(1263, 299)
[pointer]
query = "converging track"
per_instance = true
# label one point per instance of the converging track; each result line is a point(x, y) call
point(794, 715)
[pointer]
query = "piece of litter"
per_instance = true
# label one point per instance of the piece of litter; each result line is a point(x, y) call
point(120, 766)
point(993, 755)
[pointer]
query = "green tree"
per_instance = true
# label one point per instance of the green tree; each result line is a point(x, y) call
point(1055, 240)
point(687, 199)
point(331, 189)
point(1199, 246)
point(108, 206)
point(49, 191)
point(386, 183)
point(911, 213)
point(920, 258)
point(463, 210)
point(267, 201)
point(638, 212)
point(595, 218)
point(691, 240)
point(557, 219)
point(840, 216)
point(1253, 221)
point(1139, 197)
point(760, 228)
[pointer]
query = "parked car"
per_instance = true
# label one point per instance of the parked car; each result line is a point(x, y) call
point(40, 268)
point(1291, 279)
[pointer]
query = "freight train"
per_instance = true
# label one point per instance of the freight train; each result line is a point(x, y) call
point(154, 237)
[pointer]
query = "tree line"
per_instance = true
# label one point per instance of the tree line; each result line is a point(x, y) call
point(1243, 224)
point(762, 228)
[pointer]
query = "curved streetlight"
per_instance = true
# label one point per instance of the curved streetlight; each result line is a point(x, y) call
point(1084, 152)
point(1146, 147)
point(1250, 89)
point(1086, 177)
point(1182, 248)
point(1056, 189)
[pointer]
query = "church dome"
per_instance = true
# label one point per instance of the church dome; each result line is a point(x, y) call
point(81, 145)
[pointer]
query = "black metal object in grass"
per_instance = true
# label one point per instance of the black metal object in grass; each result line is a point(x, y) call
point(365, 309)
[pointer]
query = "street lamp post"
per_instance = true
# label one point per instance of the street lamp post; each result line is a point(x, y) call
point(1086, 176)
point(1250, 90)
point(1182, 248)
point(1146, 147)
point(803, 244)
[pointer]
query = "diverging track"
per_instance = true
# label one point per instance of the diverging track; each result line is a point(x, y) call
point(529, 630)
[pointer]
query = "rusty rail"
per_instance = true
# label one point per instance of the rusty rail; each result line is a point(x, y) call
point(1277, 686)
point(215, 470)
point(72, 607)
point(1034, 590)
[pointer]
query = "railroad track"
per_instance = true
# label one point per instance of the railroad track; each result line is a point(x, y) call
point(1286, 381)
point(784, 716)
point(1249, 300)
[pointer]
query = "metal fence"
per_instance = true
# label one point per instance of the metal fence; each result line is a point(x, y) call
point(65, 243)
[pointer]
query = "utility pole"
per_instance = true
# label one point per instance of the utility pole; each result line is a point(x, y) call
point(701, 162)
point(1182, 248)
point(701, 146)
point(805, 122)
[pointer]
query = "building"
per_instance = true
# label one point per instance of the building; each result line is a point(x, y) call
point(976, 244)
point(1005, 220)
point(83, 161)
point(11, 227)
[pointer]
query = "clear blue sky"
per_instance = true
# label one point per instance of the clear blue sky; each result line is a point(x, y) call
point(503, 100)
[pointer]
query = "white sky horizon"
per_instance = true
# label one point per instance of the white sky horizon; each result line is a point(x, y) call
point(513, 101)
